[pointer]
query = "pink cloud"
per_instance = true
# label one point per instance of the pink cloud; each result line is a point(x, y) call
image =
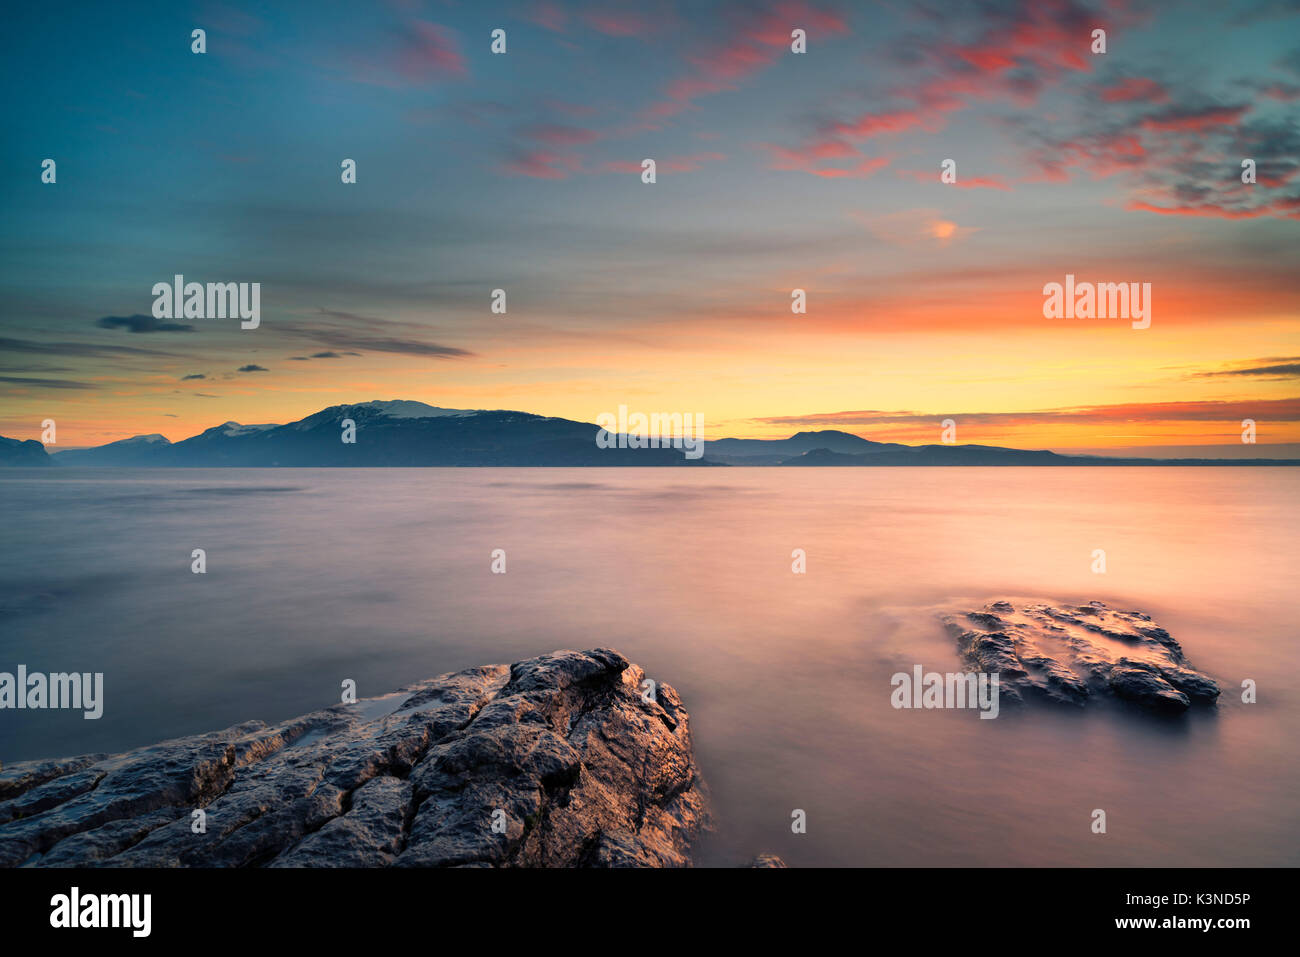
point(860, 170)
point(1013, 59)
point(1135, 88)
point(1281, 91)
point(1101, 154)
point(680, 164)
point(1284, 208)
point(425, 52)
point(620, 166)
point(618, 23)
point(558, 135)
point(1269, 178)
point(430, 51)
point(543, 164)
point(760, 36)
point(1195, 120)
point(549, 15)
point(810, 159)
point(773, 26)
point(891, 121)
point(963, 182)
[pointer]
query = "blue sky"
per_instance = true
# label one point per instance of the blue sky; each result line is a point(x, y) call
point(776, 170)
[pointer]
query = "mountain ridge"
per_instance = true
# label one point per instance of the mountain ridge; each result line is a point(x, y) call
point(406, 433)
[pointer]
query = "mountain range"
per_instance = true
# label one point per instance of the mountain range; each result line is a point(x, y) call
point(404, 433)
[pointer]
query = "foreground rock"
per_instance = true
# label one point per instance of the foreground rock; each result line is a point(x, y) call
point(1074, 654)
point(559, 752)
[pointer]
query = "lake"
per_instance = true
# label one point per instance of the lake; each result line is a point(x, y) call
point(384, 576)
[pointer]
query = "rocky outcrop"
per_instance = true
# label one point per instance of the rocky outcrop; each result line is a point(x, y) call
point(1075, 654)
point(552, 762)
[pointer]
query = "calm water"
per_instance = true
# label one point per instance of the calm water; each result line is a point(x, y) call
point(383, 576)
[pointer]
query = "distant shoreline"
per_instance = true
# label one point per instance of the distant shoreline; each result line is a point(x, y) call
point(407, 434)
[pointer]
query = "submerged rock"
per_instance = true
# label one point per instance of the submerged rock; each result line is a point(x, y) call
point(1080, 653)
point(553, 761)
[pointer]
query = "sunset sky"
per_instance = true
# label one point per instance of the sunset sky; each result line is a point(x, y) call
point(776, 171)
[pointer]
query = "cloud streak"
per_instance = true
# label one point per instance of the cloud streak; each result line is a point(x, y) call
point(1276, 410)
point(142, 324)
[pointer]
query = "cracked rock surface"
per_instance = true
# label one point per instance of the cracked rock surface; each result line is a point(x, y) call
point(552, 761)
point(1076, 654)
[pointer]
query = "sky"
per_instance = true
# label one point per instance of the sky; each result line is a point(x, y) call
point(775, 171)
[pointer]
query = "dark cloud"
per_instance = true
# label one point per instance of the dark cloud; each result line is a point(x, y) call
point(75, 349)
point(33, 368)
point(409, 347)
point(348, 330)
point(197, 375)
point(323, 355)
point(47, 383)
point(252, 368)
point(1125, 137)
point(139, 323)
